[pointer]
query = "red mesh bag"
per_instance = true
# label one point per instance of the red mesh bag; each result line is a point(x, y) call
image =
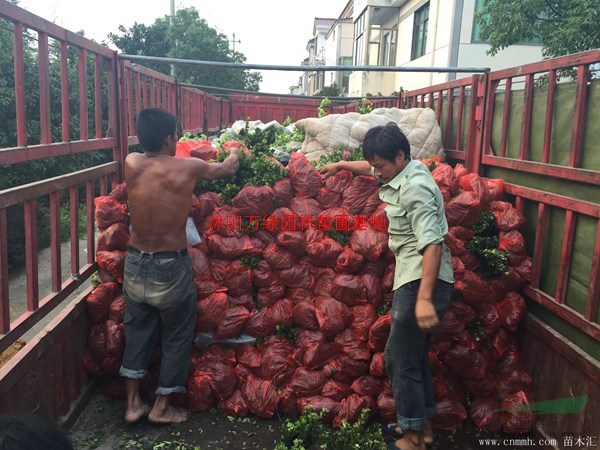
point(447, 387)
point(268, 295)
point(97, 341)
point(211, 311)
point(325, 252)
point(378, 333)
point(234, 405)
point(333, 316)
point(460, 170)
point(377, 365)
point(495, 189)
point(119, 193)
point(349, 289)
point(238, 279)
point(511, 310)
point(110, 211)
point(368, 386)
point(204, 205)
point(386, 407)
point(510, 219)
point(200, 395)
point(232, 323)
point(307, 209)
point(447, 181)
point(254, 201)
point(230, 247)
point(353, 347)
point(513, 243)
point(258, 324)
point(283, 192)
point(355, 196)
point(263, 275)
point(116, 310)
point(465, 362)
point(351, 409)
point(517, 417)
point(370, 243)
point(464, 209)
point(298, 276)
point(278, 257)
point(199, 262)
point(340, 181)
point(320, 353)
point(363, 316)
point(113, 262)
point(349, 261)
point(484, 413)
point(261, 397)
point(483, 387)
point(305, 179)
point(115, 237)
point(490, 321)
point(473, 182)
point(294, 241)
point(276, 368)
point(449, 415)
point(473, 288)
point(513, 381)
point(99, 301)
point(328, 198)
point(305, 315)
point(307, 382)
point(320, 403)
point(280, 313)
point(336, 390)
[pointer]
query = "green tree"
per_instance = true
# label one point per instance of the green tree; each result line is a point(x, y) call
point(329, 91)
point(563, 26)
point(189, 37)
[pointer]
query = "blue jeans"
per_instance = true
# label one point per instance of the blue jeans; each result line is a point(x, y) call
point(160, 297)
point(407, 357)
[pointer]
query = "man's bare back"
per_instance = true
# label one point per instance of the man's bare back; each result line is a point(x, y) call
point(159, 189)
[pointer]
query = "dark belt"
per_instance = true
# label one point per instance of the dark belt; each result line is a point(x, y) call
point(159, 255)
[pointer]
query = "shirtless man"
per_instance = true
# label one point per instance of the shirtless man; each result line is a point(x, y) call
point(158, 280)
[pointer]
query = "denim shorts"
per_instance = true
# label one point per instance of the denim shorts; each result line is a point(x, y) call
point(160, 301)
point(407, 355)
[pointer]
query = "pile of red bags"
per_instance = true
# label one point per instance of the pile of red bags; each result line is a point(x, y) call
point(267, 267)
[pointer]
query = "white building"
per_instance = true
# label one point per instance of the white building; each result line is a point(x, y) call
point(417, 33)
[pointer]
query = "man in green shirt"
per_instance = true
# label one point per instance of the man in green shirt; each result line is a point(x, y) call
point(423, 279)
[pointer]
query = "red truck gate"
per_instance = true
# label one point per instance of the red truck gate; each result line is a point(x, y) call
point(485, 125)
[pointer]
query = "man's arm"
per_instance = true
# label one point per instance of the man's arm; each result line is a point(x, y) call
point(214, 171)
point(356, 167)
point(424, 309)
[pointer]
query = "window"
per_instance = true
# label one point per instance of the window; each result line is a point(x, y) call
point(359, 42)
point(388, 51)
point(419, 40)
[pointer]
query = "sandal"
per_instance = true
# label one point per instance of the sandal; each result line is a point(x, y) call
point(391, 429)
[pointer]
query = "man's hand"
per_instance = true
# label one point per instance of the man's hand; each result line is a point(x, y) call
point(425, 313)
point(329, 169)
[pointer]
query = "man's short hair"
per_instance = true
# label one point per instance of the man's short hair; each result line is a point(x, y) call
point(30, 432)
point(153, 126)
point(385, 141)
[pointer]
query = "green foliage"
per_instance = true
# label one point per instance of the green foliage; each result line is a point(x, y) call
point(249, 261)
point(339, 236)
point(283, 138)
point(260, 141)
point(384, 308)
point(286, 332)
point(563, 26)
point(339, 154)
point(364, 106)
point(305, 432)
point(190, 37)
point(187, 136)
point(358, 435)
point(485, 246)
point(483, 225)
point(432, 166)
point(256, 169)
point(321, 109)
point(309, 432)
point(329, 91)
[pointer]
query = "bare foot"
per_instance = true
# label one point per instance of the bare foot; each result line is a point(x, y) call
point(428, 434)
point(408, 443)
point(134, 414)
point(167, 416)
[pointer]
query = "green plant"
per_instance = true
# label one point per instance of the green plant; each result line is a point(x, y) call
point(342, 238)
point(250, 261)
point(306, 431)
point(339, 154)
point(364, 105)
point(359, 435)
point(286, 332)
point(484, 224)
point(485, 246)
point(321, 109)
